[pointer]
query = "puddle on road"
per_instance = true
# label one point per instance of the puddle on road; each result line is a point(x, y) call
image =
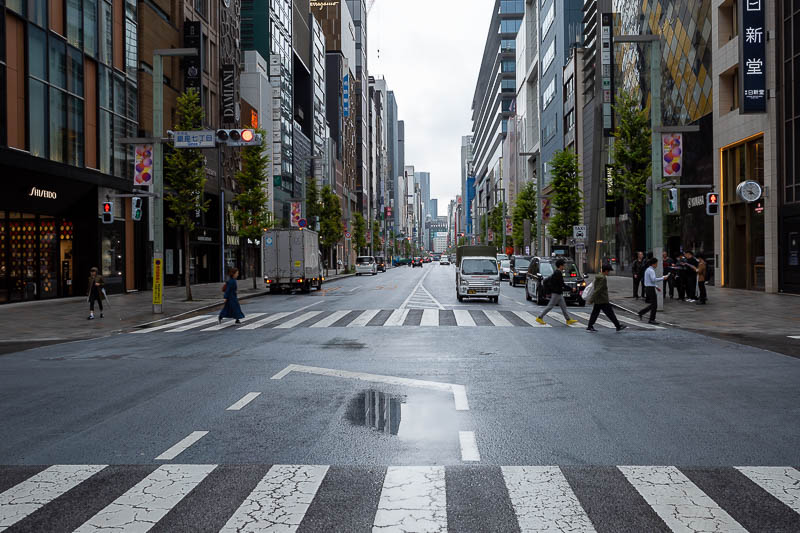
point(417, 416)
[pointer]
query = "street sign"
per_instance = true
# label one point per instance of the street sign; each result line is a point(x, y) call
point(579, 232)
point(580, 246)
point(527, 250)
point(302, 223)
point(346, 234)
point(158, 279)
point(194, 139)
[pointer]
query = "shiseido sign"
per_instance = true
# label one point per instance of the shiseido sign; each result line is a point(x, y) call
point(228, 77)
point(752, 56)
point(42, 193)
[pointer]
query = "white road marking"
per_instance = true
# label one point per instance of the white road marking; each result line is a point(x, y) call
point(435, 301)
point(247, 398)
point(469, 447)
point(414, 290)
point(362, 319)
point(171, 324)
point(329, 320)
point(280, 500)
point(187, 327)
point(794, 336)
point(530, 318)
point(269, 320)
point(228, 323)
point(463, 318)
point(543, 500)
point(600, 321)
point(459, 391)
point(556, 315)
point(181, 446)
point(26, 497)
point(397, 318)
point(640, 323)
point(430, 317)
point(678, 501)
point(148, 501)
point(413, 498)
point(783, 482)
point(497, 319)
point(298, 320)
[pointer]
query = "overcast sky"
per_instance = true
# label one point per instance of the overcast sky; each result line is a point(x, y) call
point(430, 53)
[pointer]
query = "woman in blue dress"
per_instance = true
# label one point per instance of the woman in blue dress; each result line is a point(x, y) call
point(231, 308)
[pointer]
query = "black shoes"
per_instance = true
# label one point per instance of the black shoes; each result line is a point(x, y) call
point(639, 315)
point(591, 328)
point(220, 319)
point(621, 327)
point(237, 321)
point(652, 322)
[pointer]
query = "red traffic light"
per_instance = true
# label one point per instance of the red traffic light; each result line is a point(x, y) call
point(712, 199)
point(107, 207)
point(247, 135)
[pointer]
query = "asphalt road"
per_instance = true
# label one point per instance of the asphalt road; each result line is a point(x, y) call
point(374, 374)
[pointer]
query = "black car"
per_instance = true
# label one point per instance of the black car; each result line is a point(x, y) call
point(541, 268)
point(381, 261)
point(519, 269)
point(416, 262)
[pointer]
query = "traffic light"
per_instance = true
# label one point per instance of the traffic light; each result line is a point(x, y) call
point(136, 208)
point(712, 203)
point(108, 212)
point(238, 137)
point(672, 200)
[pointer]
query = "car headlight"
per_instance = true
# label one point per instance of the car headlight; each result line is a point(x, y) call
point(496, 283)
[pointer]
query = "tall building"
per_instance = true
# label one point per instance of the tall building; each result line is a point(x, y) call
point(60, 149)
point(395, 169)
point(378, 148)
point(402, 190)
point(466, 170)
point(359, 98)
point(423, 179)
point(493, 99)
point(434, 209)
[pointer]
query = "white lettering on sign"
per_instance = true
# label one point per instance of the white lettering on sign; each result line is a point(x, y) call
point(754, 5)
point(753, 35)
point(696, 201)
point(754, 67)
point(41, 193)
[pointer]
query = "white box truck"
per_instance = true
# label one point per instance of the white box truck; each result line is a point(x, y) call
point(477, 275)
point(291, 259)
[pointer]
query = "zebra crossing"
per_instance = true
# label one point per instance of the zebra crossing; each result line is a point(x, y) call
point(311, 498)
point(358, 318)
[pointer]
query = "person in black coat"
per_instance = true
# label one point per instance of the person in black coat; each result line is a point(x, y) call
point(637, 268)
point(232, 309)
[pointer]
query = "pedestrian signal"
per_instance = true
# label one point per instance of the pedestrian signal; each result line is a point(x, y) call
point(712, 203)
point(136, 208)
point(108, 212)
point(238, 137)
point(672, 200)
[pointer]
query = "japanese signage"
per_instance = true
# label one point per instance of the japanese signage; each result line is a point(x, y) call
point(579, 232)
point(194, 139)
point(752, 57)
point(228, 78)
point(143, 165)
point(193, 38)
point(158, 279)
point(294, 218)
point(346, 96)
point(672, 154)
point(607, 72)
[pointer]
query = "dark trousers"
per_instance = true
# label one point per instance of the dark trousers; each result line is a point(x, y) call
point(691, 281)
point(94, 298)
point(671, 284)
point(701, 285)
point(680, 284)
point(605, 308)
point(637, 280)
point(653, 299)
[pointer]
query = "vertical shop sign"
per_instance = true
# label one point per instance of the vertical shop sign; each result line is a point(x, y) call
point(228, 78)
point(752, 57)
point(192, 71)
point(158, 279)
point(607, 72)
point(346, 96)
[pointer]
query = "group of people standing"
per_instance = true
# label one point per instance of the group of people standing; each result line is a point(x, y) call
point(685, 274)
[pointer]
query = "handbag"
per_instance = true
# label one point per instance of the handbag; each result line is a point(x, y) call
point(588, 291)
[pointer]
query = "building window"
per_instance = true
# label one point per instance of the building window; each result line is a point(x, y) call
point(549, 18)
point(90, 27)
point(549, 94)
point(508, 86)
point(510, 26)
point(549, 131)
point(549, 56)
point(508, 45)
point(512, 6)
point(106, 32)
point(74, 23)
point(37, 118)
point(508, 65)
point(569, 121)
point(38, 12)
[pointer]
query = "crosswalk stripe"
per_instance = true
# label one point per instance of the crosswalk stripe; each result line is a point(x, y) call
point(298, 320)
point(600, 321)
point(362, 319)
point(187, 327)
point(543, 500)
point(530, 318)
point(280, 500)
point(557, 317)
point(269, 320)
point(781, 482)
point(463, 318)
point(148, 501)
point(329, 320)
point(678, 501)
point(171, 324)
point(640, 323)
point(412, 499)
point(497, 319)
point(430, 317)
point(230, 322)
point(26, 497)
point(397, 318)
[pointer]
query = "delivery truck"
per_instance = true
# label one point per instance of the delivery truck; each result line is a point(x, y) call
point(477, 275)
point(291, 259)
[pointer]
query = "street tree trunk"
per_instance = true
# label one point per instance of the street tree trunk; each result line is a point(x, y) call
point(186, 263)
point(253, 264)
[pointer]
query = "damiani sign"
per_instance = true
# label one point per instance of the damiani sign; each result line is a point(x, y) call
point(752, 57)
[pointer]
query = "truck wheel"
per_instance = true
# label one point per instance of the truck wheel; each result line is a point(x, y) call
point(460, 298)
point(274, 290)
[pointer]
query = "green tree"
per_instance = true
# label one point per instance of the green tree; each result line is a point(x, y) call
point(313, 202)
point(566, 194)
point(406, 248)
point(359, 232)
point(376, 237)
point(252, 213)
point(462, 241)
point(330, 221)
point(524, 209)
point(631, 154)
point(185, 178)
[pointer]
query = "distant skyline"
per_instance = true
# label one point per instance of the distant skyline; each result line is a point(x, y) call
point(430, 54)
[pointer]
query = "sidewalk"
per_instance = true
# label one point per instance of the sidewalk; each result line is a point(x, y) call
point(728, 311)
point(64, 319)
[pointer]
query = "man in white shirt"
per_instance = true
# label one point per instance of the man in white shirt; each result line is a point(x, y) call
point(650, 288)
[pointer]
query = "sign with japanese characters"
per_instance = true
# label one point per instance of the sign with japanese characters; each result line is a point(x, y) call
point(752, 56)
point(607, 78)
point(194, 139)
point(346, 96)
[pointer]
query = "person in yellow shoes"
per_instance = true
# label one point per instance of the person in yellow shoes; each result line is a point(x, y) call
point(555, 284)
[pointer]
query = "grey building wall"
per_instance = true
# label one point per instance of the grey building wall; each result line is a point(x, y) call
point(394, 156)
point(400, 200)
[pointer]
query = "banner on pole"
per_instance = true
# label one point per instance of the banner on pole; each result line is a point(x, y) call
point(672, 153)
point(158, 279)
point(143, 165)
point(295, 214)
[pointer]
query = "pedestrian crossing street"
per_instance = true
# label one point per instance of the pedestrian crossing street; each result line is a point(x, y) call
point(428, 317)
point(322, 498)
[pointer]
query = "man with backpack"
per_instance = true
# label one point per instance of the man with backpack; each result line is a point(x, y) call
point(555, 284)
point(599, 298)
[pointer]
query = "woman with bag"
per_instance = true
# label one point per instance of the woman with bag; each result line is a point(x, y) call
point(599, 297)
point(231, 308)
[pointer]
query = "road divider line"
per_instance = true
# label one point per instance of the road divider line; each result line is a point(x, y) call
point(181, 446)
point(469, 447)
point(459, 392)
point(247, 398)
point(417, 286)
point(330, 319)
point(270, 319)
point(362, 319)
point(298, 320)
point(413, 498)
point(230, 323)
point(463, 317)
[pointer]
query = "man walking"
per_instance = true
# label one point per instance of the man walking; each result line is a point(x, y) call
point(667, 263)
point(650, 287)
point(556, 286)
point(638, 269)
point(601, 301)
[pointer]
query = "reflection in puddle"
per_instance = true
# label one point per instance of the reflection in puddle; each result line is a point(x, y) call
point(376, 410)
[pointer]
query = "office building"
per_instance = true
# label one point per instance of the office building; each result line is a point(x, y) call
point(360, 104)
point(394, 167)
